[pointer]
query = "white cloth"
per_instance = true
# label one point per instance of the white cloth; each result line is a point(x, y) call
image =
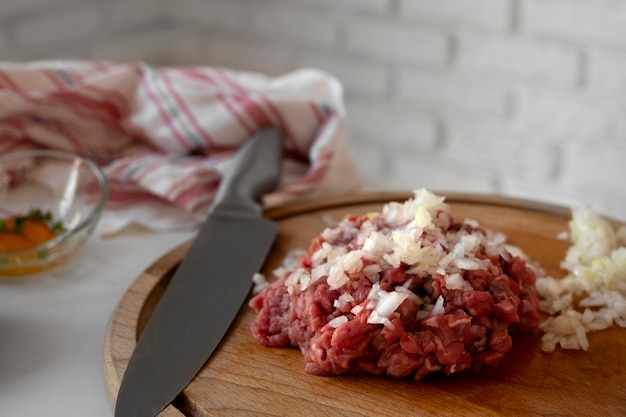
point(160, 133)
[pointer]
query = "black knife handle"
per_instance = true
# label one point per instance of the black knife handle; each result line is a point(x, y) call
point(254, 171)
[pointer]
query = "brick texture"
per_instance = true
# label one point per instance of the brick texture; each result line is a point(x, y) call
point(368, 7)
point(135, 12)
point(360, 78)
point(515, 59)
point(11, 9)
point(606, 71)
point(300, 27)
point(437, 172)
point(397, 43)
point(124, 49)
point(579, 20)
point(412, 133)
point(4, 42)
point(450, 93)
point(497, 145)
point(569, 119)
point(246, 54)
point(592, 166)
point(484, 14)
point(207, 15)
point(70, 25)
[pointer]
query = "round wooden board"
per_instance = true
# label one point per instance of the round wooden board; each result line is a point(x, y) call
point(243, 378)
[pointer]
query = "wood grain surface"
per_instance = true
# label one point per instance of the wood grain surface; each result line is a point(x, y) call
point(243, 378)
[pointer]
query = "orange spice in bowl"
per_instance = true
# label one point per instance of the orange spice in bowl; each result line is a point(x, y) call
point(22, 232)
point(50, 205)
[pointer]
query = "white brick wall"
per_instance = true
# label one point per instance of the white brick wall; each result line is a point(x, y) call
point(396, 43)
point(359, 77)
point(45, 29)
point(449, 93)
point(374, 7)
point(206, 15)
point(4, 42)
point(16, 8)
point(302, 28)
point(125, 14)
point(484, 14)
point(371, 122)
point(517, 60)
point(146, 46)
point(79, 22)
point(575, 20)
point(517, 97)
point(607, 71)
point(570, 118)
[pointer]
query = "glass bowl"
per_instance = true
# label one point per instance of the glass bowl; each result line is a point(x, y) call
point(71, 189)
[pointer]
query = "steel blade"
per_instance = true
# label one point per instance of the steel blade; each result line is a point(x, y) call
point(195, 313)
point(208, 288)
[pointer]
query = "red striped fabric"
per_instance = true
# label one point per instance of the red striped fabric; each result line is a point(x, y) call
point(159, 133)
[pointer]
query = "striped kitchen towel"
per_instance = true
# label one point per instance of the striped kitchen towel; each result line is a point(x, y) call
point(160, 134)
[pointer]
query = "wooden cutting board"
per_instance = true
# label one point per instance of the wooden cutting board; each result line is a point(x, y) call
point(243, 378)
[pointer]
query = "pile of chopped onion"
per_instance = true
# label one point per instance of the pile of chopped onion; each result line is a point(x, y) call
point(413, 233)
point(592, 296)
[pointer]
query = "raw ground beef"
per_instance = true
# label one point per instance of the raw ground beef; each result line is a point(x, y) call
point(405, 292)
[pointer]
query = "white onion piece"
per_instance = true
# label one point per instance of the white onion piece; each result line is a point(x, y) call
point(356, 309)
point(259, 282)
point(352, 261)
point(377, 243)
point(410, 295)
point(343, 300)
point(372, 272)
point(467, 263)
point(438, 309)
point(319, 272)
point(389, 302)
point(336, 277)
point(422, 217)
point(456, 282)
point(445, 261)
point(472, 223)
point(337, 321)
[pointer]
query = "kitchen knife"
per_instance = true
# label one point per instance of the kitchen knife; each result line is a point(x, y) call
point(209, 286)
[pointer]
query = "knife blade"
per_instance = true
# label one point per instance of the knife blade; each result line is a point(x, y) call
point(209, 286)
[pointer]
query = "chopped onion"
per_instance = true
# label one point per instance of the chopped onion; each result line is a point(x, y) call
point(385, 303)
point(438, 309)
point(422, 217)
point(372, 272)
point(456, 282)
point(338, 321)
point(259, 282)
point(377, 243)
point(596, 282)
point(343, 300)
point(468, 264)
point(319, 271)
point(356, 309)
point(410, 295)
point(336, 277)
point(472, 223)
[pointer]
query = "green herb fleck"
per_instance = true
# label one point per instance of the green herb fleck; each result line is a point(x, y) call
point(35, 214)
point(19, 225)
point(57, 227)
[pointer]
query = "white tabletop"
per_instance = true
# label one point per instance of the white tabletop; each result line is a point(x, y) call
point(52, 330)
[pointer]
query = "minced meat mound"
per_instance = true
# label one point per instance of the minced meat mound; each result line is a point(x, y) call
point(404, 292)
